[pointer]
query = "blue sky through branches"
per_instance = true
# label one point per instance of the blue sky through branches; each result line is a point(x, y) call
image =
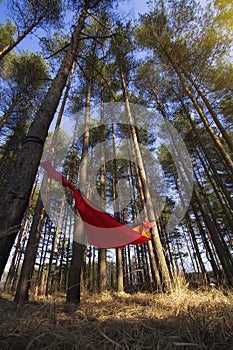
point(128, 9)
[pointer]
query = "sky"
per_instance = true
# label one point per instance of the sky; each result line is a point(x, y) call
point(132, 7)
point(129, 8)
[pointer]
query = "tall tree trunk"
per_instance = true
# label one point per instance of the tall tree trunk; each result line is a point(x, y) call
point(153, 262)
point(214, 173)
point(119, 262)
point(219, 146)
point(13, 202)
point(102, 263)
point(166, 282)
point(34, 237)
point(74, 280)
point(210, 109)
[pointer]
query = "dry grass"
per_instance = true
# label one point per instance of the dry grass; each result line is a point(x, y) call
point(183, 320)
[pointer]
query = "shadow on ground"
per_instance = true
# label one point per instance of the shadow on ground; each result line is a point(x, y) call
point(118, 322)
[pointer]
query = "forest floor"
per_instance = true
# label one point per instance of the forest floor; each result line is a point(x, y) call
point(185, 319)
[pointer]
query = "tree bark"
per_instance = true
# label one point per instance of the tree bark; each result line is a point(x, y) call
point(162, 265)
point(74, 279)
point(102, 263)
point(119, 265)
point(210, 109)
point(14, 201)
point(217, 142)
point(22, 291)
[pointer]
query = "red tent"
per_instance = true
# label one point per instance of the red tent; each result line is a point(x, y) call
point(102, 229)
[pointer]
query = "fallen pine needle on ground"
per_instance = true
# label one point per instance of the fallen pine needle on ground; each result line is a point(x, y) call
point(182, 320)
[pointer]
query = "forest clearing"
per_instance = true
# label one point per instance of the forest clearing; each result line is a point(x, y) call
point(184, 320)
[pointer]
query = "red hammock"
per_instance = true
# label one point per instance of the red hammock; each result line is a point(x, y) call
point(102, 230)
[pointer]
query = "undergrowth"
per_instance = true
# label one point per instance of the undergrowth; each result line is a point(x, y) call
point(184, 319)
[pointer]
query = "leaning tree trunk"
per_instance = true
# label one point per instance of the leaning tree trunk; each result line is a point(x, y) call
point(34, 236)
point(214, 173)
point(10, 47)
point(215, 138)
point(223, 131)
point(13, 202)
point(219, 146)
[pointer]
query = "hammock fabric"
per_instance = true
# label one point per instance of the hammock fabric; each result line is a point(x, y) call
point(102, 230)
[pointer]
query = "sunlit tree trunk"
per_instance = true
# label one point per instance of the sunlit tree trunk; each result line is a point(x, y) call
point(152, 256)
point(212, 170)
point(219, 146)
point(166, 282)
point(102, 264)
point(210, 109)
point(119, 260)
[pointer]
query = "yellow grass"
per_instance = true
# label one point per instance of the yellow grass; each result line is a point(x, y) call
point(182, 320)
